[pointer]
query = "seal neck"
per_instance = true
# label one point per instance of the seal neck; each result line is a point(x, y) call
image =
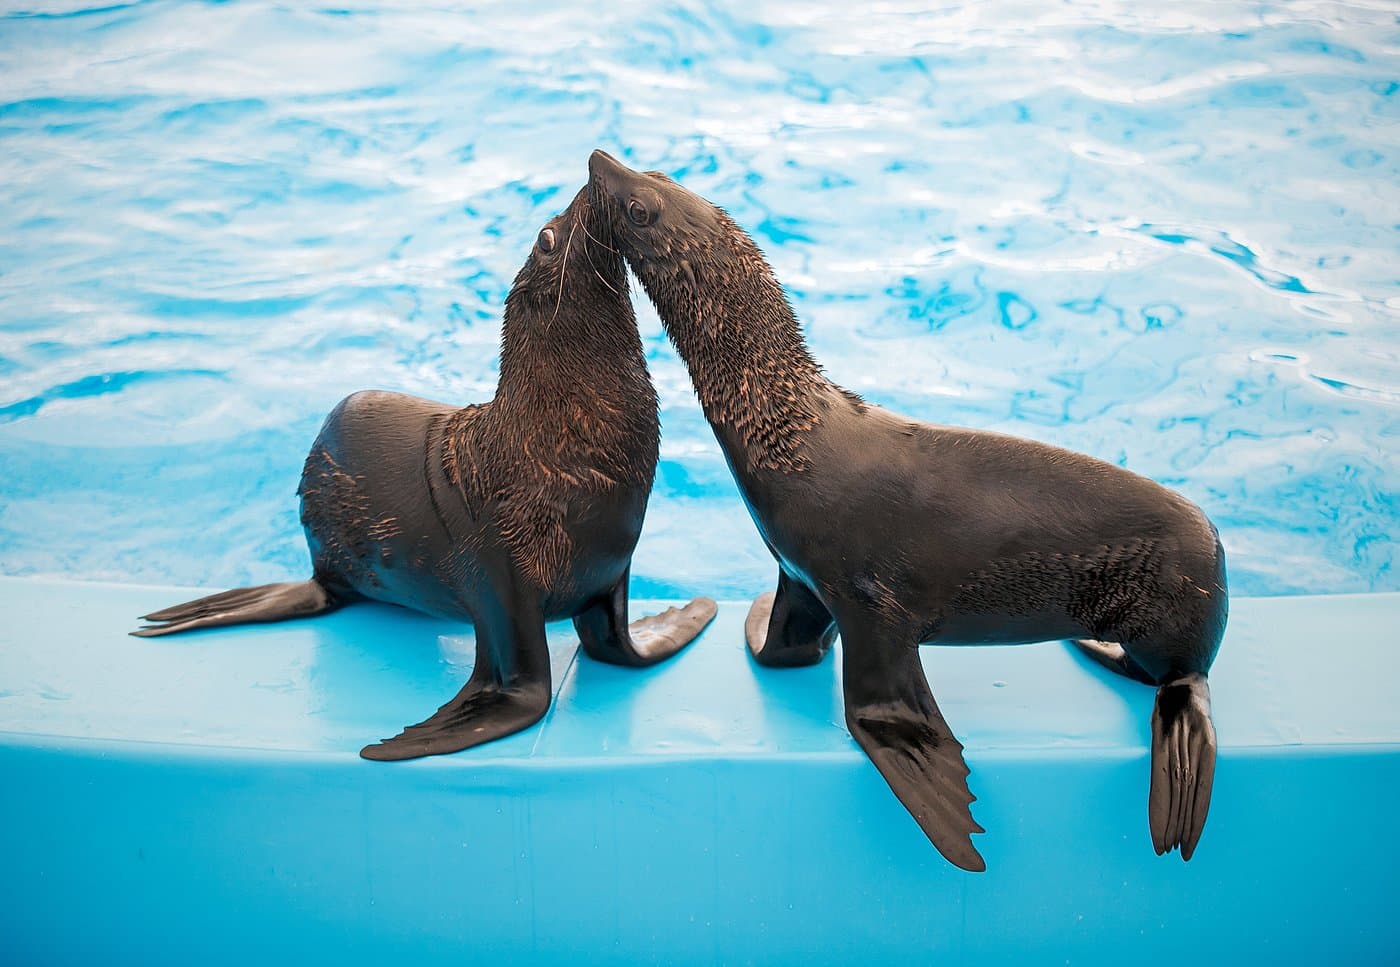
point(757, 383)
point(577, 384)
point(583, 351)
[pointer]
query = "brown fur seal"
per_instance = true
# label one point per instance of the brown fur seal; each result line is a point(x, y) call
point(900, 533)
point(508, 514)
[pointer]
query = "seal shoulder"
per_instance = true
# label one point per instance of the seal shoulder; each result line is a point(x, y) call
point(370, 451)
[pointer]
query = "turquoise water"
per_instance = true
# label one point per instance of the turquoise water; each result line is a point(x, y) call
point(1165, 237)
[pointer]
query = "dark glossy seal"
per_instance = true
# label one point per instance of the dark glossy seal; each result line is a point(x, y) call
point(509, 514)
point(900, 533)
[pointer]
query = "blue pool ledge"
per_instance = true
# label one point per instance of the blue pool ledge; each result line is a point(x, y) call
point(200, 799)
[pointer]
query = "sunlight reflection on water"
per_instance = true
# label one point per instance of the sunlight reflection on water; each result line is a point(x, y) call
point(1164, 237)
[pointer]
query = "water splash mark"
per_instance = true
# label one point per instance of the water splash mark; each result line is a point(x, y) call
point(281, 686)
point(1341, 387)
point(1161, 315)
point(1039, 407)
point(780, 230)
point(71, 14)
point(954, 298)
point(39, 108)
point(180, 306)
point(1016, 313)
point(102, 384)
point(1219, 243)
point(1100, 305)
point(1355, 391)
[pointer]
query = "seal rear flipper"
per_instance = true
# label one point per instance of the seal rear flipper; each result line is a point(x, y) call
point(1183, 764)
point(605, 634)
point(891, 713)
point(267, 602)
point(1112, 656)
point(789, 627)
point(659, 636)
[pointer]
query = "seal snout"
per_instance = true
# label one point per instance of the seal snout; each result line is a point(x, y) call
point(605, 171)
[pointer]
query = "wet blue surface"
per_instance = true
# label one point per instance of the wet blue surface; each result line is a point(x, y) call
point(1167, 237)
point(199, 800)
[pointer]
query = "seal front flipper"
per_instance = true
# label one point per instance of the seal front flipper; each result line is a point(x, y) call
point(789, 627)
point(509, 690)
point(891, 713)
point(267, 602)
point(1112, 656)
point(1183, 764)
point(479, 713)
point(605, 634)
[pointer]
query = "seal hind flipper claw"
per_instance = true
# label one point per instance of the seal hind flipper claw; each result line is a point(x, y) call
point(1183, 765)
point(267, 602)
point(891, 713)
point(606, 635)
point(1111, 655)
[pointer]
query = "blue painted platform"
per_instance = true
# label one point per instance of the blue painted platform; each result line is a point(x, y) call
point(199, 799)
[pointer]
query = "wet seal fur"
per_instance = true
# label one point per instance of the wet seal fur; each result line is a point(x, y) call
point(507, 514)
point(899, 533)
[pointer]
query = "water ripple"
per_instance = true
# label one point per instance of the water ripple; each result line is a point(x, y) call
point(1165, 234)
point(100, 384)
point(1217, 242)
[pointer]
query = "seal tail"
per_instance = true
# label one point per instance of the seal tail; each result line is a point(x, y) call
point(1183, 764)
point(267, 602)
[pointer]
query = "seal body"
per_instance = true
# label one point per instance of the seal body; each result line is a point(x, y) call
point(961, 536)
point(410, 533)
point(507, 514)
point(899, 533)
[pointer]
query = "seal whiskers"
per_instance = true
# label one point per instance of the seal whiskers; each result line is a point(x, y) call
point(563, 273)
point(578, 220)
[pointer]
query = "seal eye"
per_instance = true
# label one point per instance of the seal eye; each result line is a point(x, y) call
point(546, 241)
point(637, 212)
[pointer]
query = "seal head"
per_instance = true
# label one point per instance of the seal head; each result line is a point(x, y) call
point(724, 310)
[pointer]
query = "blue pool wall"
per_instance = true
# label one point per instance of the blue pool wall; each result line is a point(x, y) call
point(171, 801)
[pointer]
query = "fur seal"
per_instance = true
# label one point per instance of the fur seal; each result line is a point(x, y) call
point(899, 533)
point(506, 514)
